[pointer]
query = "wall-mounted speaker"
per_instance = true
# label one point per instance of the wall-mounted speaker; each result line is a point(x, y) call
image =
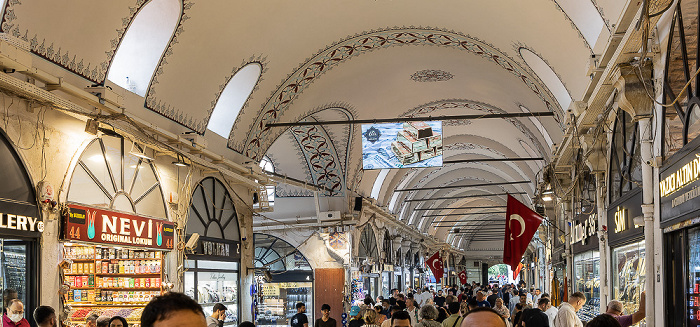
point(358, 204)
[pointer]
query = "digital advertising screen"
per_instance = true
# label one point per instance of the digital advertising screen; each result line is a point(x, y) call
point(402, 145)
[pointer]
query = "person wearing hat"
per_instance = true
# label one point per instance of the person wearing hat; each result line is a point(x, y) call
point(325, 320)
point(355, 317)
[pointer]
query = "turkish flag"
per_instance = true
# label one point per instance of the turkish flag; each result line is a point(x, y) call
point(516, 272)
point(435, 265)
point(463, 277)
point(521, 225)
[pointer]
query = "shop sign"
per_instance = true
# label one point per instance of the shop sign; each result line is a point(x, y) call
point(584, 234)
point(388, 267)
point(97, 225)
point(18, 218)
point(621, 216)
point(21, 223)
point(679, 185)
point(216, 249)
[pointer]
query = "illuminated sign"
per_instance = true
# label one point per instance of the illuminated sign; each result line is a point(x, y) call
point(21, 223)
point(621, 213)
point(585, 229)
point(217, 249)
point(118, 228)
point(681, 177)
point(620, 220)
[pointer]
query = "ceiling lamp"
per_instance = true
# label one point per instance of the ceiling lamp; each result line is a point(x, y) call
point(180, 161)
point(548, 194)
point(141, 154)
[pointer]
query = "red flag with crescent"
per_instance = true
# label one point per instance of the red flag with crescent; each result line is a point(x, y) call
point(435, 265)
point(516, 272)
point(521, 225)
point(463, 277)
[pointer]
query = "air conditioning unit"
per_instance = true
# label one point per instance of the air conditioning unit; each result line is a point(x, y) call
point(329, 215)
point(14, 53)
point(105, 94)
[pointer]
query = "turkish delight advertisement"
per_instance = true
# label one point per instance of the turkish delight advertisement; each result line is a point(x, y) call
point(402, 145)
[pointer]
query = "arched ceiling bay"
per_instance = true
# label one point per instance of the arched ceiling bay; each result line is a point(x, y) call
point(350, 59)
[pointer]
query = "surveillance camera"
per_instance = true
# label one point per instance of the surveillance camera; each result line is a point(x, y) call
point(192, 242)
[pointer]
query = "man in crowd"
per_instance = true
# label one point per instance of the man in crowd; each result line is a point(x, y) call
point(439, 299)
point(412, 311)
point(386, 306)
point(483, 317)
point(551, 310)
point(14, 317)
point(325, 320)
point(481, 300)
point(300, 319)
point(492, 298)
point(394, 296)
point(217, 317)
point(514, 299)
point(454, 320)
point(566, 317)
point(401, 301)
point(401, 319)
point(90, 320)
point(615, 309)
point(45, 316)
point(173, 310)
point(536, 317)
point(102, 321)
point(536, 296)
point(394, 309)
point(355, 317)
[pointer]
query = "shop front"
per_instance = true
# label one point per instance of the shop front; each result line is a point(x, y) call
point(398, 277)
point(21, 227)
point(115, 233)
point(113, 262)
point(387, 275)
point(586, 261)
point(627, 247)
point(284, 278)
point(212, 269)
point(680, 221)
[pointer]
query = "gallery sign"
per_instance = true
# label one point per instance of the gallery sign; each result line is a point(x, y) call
point(98, 225)
point(216, 249)
point(679, 183)
point(621, 214)
point(21, 219)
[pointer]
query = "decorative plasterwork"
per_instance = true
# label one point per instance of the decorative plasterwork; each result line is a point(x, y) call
point(260, 136)
point(49, 50)
point(431, 75)
point(321, 157)
point(519, 46)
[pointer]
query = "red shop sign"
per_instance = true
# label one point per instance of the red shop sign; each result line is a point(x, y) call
point(96, 225)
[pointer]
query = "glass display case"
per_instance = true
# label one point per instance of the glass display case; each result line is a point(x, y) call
point(628, 263)
point(211, 282)
point(278, 302)
point(386, 283)
point(587, 281)
point(693, 314)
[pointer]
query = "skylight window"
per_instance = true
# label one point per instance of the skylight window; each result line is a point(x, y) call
point(547, 75)
point(377, 187)
point(233, 98)
point(586, 18)
point(143, 44)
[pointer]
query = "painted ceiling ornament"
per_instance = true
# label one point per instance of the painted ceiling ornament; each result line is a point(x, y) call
point(431, 75)
point(260, 136)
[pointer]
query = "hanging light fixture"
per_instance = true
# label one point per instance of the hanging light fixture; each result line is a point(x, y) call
point(141, 154)
point(548, 194)
point(180, 161)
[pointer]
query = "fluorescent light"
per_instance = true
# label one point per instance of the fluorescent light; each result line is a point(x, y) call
point(547, 197)
point(141, 154)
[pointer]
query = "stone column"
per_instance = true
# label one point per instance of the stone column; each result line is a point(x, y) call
point(633, 99)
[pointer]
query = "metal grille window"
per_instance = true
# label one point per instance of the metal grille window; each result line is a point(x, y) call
point(212, 212)
point(388, 251)
point(682, 120)
point(368, 244)
point(277, 255)
point(625, 158)
point(109, 175)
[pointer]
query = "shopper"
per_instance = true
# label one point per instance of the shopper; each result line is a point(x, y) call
point(481, 300)
point(392, 310)
point(170, 309)
point(118, 321)
point(7, 296)
point(536, 317)
point(604, 320)
point(380, 314)
point(551, 311)
point(517, 313)
point(15, 315)
point(428, 313)
point(501, 309)
point(615, 310)
point(566, 317)
point(439, 299)
point(355, 319)
point(536, 296)
point(102, 321)
point(90, 320)
point(370, 318)
point(45, 316)
point(412, 310)
point(483, 317)
point(386, 307)
point(514, 299)
point(401, 319)
point(455, 319)
point(492, 298)
point(218, 316)
point(325, 320)
point(300, 319)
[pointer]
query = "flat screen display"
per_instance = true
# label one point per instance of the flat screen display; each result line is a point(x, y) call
point(402, 145)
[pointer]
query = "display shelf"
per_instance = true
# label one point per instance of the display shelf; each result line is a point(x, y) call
point(80, 304)
point(117, 275)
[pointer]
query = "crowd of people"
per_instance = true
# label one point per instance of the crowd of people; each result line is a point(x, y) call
point(473, 305)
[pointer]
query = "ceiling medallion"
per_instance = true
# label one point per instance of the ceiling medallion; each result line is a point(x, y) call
point(431, 75)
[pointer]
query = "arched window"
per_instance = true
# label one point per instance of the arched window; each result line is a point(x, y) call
point(548, 77)
point(377, 187)
point(368, 244)
point(212, 212)
point(143, 44)
point(266, 165)
point(277, 255)
point(233, 98)
point(625, 158)
point(108, 175)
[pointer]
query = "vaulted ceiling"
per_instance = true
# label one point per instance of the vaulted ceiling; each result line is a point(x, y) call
point(359, 59)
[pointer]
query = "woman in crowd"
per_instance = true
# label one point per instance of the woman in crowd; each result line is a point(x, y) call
point(428, 313)
point(118, 321)
point(502, 309)
point(380, 317)
point(370, 318)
